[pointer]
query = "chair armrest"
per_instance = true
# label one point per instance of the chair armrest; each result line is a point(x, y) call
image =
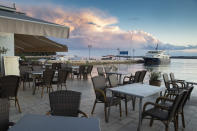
point(164, 98)
point(48, 113)
point(102, 93)
point(11, 124)
point(155, 105)
point(83, 113)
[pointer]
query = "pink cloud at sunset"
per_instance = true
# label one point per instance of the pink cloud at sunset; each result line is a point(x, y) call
point(91, 26)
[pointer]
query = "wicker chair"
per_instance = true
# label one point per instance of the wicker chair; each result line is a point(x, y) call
point(176, 81)
point(113, 82)
point(56, 66)
point(142, 75)
point(180, 111)
point(89, 69)
point(25, 76)
point(132, 79)
point(65, 103)
point(46, 81)
point(100, 71)
point(9, 88)
point(80, 72)
point(170, 86)
point(61, 80)
point(99, 88)
point(4, 115)
point(164, 113)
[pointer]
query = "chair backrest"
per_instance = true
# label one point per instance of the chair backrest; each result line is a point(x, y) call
point(99, 82)
point(48, 76)
point(172, 77)
point(82, 69)
point(62, 76)
point(4, 114)
point(113, 80)
point(65, 103)
point(9, 85)
point(189, 91)
point(176, 104)
point(24, 69)
point(107, 69)
point(100, 71)
point(56, 66)
point(142, 75)
point(137, 76)
point(166, 80)
point(89, 70)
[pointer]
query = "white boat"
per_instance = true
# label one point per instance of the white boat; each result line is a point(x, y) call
point(156, 57)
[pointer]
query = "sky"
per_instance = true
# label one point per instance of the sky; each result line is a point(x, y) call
point(121, 23)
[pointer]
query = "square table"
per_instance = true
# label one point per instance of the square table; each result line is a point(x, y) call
point(138, 90)
point(56, 123)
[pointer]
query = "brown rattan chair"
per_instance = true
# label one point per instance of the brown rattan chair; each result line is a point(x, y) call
point(61, 79)
point(4, 115)
point(99, 83)
point(164, 113)
point(25, 76)
point(65, 103)
point(56, 66)
point(171, 87)
point(132, 79)
point(9, 88)
point(113, 82)
point(80, 72)
point(180, 111)
point(142, 75)
point(100, 71)
point(176, 81)
point(46, 80)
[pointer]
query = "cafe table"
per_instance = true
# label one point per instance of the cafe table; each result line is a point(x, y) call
point(140, 91)
point(55, 123)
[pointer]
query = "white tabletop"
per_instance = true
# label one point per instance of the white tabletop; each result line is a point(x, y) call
point(138, 90)
point(55, 123)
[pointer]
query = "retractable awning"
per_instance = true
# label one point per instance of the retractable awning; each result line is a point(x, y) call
point(29, 43)
point(19, 23)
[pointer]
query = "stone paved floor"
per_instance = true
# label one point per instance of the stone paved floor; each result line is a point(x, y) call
point(34, 104)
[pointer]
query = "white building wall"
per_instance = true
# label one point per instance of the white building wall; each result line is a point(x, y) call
point(7, 41)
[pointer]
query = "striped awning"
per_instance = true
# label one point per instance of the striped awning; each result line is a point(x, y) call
point(29, 43)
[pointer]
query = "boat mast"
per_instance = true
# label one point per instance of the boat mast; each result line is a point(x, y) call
point(156, 47)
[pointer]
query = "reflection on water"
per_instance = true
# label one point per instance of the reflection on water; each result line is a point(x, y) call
point(185, 69)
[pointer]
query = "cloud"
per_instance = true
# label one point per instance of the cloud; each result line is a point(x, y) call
point(95, 27)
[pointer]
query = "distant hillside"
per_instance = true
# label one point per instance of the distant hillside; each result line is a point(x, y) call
point(183, 57)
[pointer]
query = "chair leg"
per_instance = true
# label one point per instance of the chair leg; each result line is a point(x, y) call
point(93, 107)
point(108, 113)
point(133, 102)
point(106, 116)
point(166, 127)
point(126, 111)
point(151, 122)
point(183, 119)
point(176, 123)
point(19, 109)
point(120, 109)
point(43, 91)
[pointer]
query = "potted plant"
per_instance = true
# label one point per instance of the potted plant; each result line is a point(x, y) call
point(155, 78)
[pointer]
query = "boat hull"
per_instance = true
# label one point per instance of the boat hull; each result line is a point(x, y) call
point(150, 61)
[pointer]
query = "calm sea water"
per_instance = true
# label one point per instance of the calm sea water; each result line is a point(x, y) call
point(185, 69)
